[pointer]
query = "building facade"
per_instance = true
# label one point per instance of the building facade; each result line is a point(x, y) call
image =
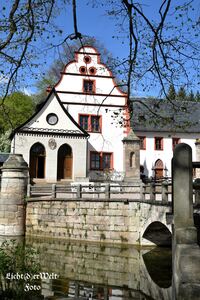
point(78, 131)
point(162, 125)
point(81, 132)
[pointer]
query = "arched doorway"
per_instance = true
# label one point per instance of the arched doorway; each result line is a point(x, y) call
point(65, 162)
point(158, 169)
point(37, 161)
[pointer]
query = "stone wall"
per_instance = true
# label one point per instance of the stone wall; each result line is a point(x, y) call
point(105, 221)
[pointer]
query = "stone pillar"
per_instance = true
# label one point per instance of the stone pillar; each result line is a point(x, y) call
point(197, 144)
point(185, 232)
point(131, 157)
point(185, 251)
point(12, 199)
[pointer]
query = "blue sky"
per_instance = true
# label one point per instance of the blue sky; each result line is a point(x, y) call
point(93, 21)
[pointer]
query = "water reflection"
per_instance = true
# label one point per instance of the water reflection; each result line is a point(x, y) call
point(76, 270)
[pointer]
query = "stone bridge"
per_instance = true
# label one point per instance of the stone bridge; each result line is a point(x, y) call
point(100, 220)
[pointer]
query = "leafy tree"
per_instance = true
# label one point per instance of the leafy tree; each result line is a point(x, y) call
point(197, 96)
point(191, 96)
point(171, 95)
point(181, 95)
point(17, 108)
point(16, 257)
point(5, 141)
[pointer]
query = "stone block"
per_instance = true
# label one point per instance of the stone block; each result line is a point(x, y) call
point(9, 230)
point(4, 221)
point(2, 229)
point(2, 214)
point(189, 291)
point(18, 229)
point(10, 214)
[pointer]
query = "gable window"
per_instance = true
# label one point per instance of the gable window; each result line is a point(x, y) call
point(101, 160)
point(88, 86)
point(158, 143)
point(84, 121)
point(91, 123)
point(175, 141)
point(142, 142)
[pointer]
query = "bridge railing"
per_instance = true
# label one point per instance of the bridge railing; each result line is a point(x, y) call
point(151, 192)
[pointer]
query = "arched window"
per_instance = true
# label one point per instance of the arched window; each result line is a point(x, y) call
point(65, 162)
point(37, 161)
point(158, 168)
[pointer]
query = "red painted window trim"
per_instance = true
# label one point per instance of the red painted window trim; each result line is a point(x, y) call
point(161, 138)
point(178, 140)
point(81, 70)
point(94, 70)
point(87, 59)
point(144, 142)
point(101, 160)
point(90, 122)
point(93, 86)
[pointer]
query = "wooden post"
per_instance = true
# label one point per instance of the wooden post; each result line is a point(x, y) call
point(53, 195)
point(152, 191)
point(142, 191)
point(107, 190)
point(78, 191)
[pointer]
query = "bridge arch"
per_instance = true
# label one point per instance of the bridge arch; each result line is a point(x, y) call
point(158, 234)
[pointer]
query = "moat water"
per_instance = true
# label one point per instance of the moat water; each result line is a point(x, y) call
point(58, 269)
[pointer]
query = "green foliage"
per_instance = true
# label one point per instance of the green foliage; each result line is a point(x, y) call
point(197, 96)
point(16, 109)
point(5, 142)
point(171, 93)
point(16, 258)
point(181, 95)
point(191, 96)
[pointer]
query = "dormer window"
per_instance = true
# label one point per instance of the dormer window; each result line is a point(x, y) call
point(88, 86)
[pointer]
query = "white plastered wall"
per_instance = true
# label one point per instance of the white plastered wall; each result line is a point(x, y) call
point(149, 156)
point(23, 144)
point(113, 100)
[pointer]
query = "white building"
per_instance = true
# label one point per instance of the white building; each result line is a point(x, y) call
point(76, 135)
point(78, 131)
point(158, 137)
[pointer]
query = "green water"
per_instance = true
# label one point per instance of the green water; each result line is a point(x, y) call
point(59, 269)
